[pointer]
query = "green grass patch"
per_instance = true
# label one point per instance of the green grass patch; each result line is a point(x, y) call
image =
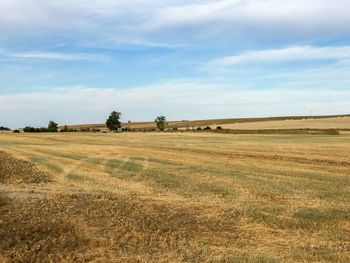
point(160, 161)
point(161, 179)
point(55, 168)
point(77, 176)
point(211, 188)
point(132, 166)
point(94, 160)
point(338, 193)
point(319, 216)
point(242, 259)
point(112, 164)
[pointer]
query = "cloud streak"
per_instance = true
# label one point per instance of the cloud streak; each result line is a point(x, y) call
point(56, 56)
point(298, 53)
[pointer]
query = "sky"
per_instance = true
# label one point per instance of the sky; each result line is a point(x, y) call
point(75, 61)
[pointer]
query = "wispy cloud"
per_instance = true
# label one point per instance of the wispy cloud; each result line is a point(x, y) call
point(296, 19)
point(299, 53)
point(299, 16)
point(301, 67)
point(65, 56)
point(139, 42)
point(56, 56)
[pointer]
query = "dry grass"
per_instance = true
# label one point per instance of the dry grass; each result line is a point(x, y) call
point(192, 197)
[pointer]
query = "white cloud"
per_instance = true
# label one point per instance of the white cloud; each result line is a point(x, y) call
point(252, 15)
point(177, 100)
point(305, 19)
point(54, 56)
point(299, 53)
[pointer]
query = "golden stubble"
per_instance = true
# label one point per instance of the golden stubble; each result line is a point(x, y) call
point(214, 197)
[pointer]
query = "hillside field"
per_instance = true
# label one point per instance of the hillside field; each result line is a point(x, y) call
point(287, 122)
point(174, 197)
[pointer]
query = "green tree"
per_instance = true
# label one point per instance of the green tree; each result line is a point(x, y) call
point(161, 122)
point(52, 127)
point(113, 122)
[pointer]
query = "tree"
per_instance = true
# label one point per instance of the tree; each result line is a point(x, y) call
point(113, 122)
point(52, 127)
point(161, 122)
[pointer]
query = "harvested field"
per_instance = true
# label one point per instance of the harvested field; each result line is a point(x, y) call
point(310, 123)
point(13, 170)
point(175, 197)
point(89, 227)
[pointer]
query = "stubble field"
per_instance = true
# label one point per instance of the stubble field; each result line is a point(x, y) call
point(174, 197)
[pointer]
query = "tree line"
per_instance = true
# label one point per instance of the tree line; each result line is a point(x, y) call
point(113, 123)
point(51, 127)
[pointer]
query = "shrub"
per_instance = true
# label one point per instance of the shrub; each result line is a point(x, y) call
point(4, 128)
point(199, 128)
point(218, 127)
point(43, 129)
point(29, 129)
point(207, 128)
point(52, 128)
point(16, 131)
point(67, 129)
point(85, 129)
point(174, 129)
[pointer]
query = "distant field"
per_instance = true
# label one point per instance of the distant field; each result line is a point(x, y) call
point(174, 197)
point(291, 122)
point(327, 123)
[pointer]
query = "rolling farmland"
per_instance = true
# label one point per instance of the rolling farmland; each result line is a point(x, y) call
point(291, 122)
point(175, 131)
point(174, 197)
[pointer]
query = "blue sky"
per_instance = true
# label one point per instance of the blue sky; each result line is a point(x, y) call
point(75, 61)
